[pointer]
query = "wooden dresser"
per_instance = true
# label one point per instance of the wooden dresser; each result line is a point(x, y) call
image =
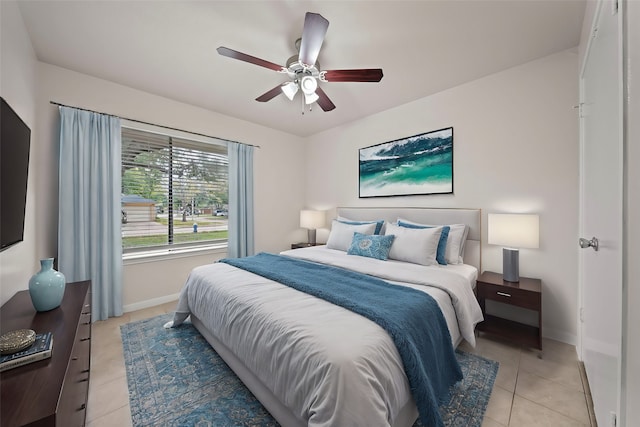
point(51, 392)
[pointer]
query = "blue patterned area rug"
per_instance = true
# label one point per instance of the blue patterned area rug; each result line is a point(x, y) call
point(176, 379)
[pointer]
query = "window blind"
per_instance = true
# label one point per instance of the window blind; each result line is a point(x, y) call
point(174, 190)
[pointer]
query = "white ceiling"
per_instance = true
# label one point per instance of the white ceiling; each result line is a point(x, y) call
point(168, 48)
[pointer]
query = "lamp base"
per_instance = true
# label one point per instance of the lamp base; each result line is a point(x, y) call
point(510, 265)
point(311, 234)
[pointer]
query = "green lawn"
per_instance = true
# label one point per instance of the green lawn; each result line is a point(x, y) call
point(161, 239)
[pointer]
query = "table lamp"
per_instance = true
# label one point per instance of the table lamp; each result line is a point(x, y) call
point(311, 220)
point(513, 231)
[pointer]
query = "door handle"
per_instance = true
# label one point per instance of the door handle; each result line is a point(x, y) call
point(593, 243)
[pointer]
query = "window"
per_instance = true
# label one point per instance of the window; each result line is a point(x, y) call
point(174, 190)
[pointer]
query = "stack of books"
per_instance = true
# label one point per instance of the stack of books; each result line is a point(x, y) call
point(39, 350)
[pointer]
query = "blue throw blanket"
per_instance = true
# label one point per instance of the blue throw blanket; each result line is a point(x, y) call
point(411, 317)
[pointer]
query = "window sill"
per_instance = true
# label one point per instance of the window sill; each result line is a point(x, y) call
point(163, 254)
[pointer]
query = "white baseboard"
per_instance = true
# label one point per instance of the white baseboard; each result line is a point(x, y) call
point(150, 303)
point(561, 336)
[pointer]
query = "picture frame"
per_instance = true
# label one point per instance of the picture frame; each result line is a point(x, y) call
point(416, 165)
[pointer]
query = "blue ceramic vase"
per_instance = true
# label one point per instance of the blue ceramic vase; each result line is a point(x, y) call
point(46, 287)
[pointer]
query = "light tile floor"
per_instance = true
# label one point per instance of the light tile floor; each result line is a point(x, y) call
point(528, 391)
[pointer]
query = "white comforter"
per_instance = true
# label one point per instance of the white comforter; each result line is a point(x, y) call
point(331, 367)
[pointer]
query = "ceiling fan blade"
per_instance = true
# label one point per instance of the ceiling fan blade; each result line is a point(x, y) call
point(323, 101)
point(363, 75)
point(225, 51)
point(268, 96)
point(315, 27)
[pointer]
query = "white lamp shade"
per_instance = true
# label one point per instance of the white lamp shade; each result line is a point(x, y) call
point(289, 89)
point(310, 98)
point(312, 219)
point(514, 230)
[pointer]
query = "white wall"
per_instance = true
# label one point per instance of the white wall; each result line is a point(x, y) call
point(278, 195)
point(585, 34)
point(152, 282)
point(18, 87)
point(515, 150)
point(631, 273)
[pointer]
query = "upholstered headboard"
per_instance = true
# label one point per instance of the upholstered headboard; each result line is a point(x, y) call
point(437, 216)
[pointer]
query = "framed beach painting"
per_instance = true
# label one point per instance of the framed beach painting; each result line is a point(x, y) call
point(419, 164)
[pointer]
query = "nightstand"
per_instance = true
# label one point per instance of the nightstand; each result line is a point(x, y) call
point(527, 293)
point(304, 245)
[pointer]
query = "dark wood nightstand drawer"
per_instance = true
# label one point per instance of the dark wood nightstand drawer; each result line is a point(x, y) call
point(513, 296)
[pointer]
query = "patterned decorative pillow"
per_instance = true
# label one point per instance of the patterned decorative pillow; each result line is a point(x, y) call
point(372, 246)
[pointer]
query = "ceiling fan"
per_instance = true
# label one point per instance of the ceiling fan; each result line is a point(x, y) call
point(304, 69)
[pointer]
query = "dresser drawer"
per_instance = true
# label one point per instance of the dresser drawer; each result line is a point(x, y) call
point(75, 390)
point(512, 296)
point(85, 313)
point(72, 407)
point(73, 399)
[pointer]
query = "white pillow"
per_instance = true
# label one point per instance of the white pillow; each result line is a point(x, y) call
point(455, 241)
point(341, 234)
point(414, 245)
point(379, 223)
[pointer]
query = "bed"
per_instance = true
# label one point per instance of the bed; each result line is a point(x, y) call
point(311, 362)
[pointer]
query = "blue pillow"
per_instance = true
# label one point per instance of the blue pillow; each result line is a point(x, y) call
point(378, 223)
point(372, 246)
point(441, 255)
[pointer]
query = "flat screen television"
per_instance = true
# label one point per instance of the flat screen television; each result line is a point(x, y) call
point(15, 138)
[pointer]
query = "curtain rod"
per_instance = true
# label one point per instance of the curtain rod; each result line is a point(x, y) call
point(147, 123)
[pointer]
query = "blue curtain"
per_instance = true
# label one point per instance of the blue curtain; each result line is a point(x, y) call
point(89, 235)
point(241, 239)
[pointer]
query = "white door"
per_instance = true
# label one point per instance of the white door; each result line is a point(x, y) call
point(601, 213)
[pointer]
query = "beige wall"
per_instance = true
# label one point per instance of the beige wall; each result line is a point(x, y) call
point(18, 67)
point(515, 150)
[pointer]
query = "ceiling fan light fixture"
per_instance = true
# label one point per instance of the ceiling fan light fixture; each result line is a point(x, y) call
point(310, 98)
point(308, 84)
point(304, 69)
point(289, 89)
